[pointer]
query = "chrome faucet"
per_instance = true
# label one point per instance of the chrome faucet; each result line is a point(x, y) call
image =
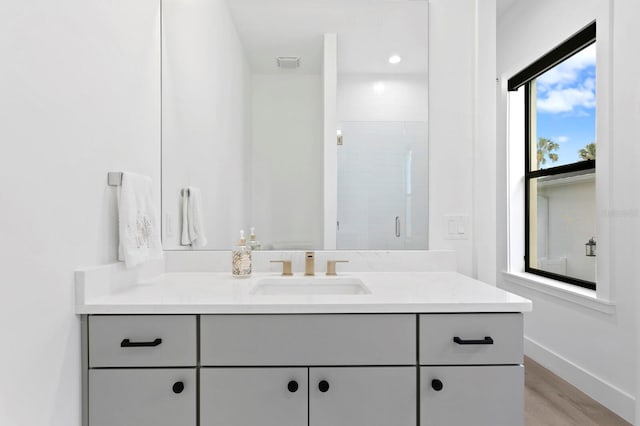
point(309, 263)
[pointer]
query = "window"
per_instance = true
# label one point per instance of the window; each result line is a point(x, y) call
point(559, 93)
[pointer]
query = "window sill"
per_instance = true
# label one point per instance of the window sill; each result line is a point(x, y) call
point(574, 294)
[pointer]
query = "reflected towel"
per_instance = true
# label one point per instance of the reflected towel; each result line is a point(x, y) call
point(139, 228)
point(193, 233)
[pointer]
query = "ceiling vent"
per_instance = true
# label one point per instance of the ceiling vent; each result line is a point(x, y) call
point(288, 62)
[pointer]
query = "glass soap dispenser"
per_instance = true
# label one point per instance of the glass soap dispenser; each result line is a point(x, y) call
point(241, 258)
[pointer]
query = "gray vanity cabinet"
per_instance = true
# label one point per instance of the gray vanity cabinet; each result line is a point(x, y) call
point(142, 397)
point(304, 370)
point(362, 396)
point(253, 396)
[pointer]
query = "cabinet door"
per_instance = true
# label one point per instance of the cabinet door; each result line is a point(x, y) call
point(472, 395)
point(363, 396)
point(253, 396)
point(149, 397)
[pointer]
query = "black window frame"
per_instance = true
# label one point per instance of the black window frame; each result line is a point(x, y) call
point(579, 41)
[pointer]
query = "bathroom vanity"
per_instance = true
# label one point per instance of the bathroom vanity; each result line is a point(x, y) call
point(419, 348)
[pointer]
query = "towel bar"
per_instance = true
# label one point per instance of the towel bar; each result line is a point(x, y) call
point(114, 178)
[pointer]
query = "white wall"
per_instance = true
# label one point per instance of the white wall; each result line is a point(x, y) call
point(451, 88)
point(80, 97)
point(462, 147)
point(404, 97)
point(484, 152)
point(592, 349)
point(286, 160)
point(205, 117)
point(626, 214)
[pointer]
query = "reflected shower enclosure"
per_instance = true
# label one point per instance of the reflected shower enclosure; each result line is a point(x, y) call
point(382, 185)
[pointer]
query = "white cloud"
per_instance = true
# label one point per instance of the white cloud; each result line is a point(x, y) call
point(565, 88)
point(565, 100)
point(568, 71)
point(563, 139)
point(589, 83)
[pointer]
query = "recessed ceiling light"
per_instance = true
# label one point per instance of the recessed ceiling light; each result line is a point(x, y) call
point(395, 59)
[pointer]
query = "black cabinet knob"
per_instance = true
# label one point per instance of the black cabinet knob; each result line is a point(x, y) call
point(292, 386)
point(323, 386)
point(178, 387)
point(436, 385)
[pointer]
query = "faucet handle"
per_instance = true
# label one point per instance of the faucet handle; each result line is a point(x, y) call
point(331, 266)
point(286, 266)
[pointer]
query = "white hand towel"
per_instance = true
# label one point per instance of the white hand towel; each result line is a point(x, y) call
point(184, 237)
point(192, 224)
point(139, 227)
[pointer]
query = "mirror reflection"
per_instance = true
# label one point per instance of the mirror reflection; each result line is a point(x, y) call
point(304, 119)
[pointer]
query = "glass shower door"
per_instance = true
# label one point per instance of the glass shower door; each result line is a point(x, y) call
point(382, 186)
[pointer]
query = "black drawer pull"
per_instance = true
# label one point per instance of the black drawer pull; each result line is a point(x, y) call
point(486, 341)
point(437, 385)
point(292, 386)
point(126, 343)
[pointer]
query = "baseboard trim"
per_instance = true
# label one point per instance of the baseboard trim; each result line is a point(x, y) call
point(605, 393)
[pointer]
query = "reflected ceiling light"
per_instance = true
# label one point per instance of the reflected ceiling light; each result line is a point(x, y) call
point(378, 87)
point(395, 59)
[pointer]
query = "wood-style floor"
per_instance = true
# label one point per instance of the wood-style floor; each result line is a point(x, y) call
point(551, 401)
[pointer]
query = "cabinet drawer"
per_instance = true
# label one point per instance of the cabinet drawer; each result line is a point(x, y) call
point(482, 339)
point(142, 341)
point(291, 340)
point(472, 395)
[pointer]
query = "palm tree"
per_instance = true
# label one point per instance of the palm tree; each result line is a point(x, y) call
point(546, 148)
point(588, 152)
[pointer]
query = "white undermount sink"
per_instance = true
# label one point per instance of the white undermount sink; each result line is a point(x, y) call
point(301, 286)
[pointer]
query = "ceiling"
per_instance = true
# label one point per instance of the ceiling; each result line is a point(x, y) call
point(369, 31)
point(503, 5)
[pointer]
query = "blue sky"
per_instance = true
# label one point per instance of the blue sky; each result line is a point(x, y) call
point(566, 105)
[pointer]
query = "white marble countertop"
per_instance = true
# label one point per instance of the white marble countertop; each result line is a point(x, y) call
point(219, 293)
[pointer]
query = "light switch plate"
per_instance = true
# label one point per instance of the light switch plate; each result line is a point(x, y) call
point(456, 227)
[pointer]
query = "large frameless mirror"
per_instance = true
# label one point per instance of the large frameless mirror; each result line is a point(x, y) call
point(246, 114)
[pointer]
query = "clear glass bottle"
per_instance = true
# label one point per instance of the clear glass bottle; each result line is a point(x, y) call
point(241, 258)
point(253, 242)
